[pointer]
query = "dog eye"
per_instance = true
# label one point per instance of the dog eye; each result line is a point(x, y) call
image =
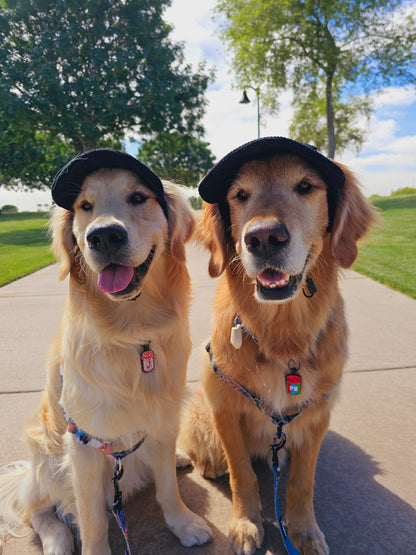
point(137, 198)
point(86, 206)
point(241, 195)
point(304, 188)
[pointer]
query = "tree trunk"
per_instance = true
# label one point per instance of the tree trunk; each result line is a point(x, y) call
point(330, 127)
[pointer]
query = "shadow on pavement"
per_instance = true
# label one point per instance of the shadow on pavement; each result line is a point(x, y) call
point(356, 513)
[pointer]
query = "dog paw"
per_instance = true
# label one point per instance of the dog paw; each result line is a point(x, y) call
point(182, 459)
point(60, 544)
point(310, 542)
point(245, 535)
point(190, 528)
point(211, 470)
point(55, 536)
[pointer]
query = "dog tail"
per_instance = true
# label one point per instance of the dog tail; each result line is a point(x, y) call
point(199, 439)
point(15, 483)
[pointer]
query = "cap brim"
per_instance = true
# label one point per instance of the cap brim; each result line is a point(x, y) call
point(68, 182)
point(214, 186)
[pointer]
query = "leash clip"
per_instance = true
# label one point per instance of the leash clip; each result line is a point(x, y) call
point(118, 473)
point(281, 436)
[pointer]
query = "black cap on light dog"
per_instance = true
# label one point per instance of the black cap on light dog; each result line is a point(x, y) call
point(67, 183)
point(214, 186)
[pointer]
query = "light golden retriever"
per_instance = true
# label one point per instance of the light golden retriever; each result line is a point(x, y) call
point(277, 210)
point(128, 292)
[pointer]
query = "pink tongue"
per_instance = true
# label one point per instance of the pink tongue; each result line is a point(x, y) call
point(115, 278)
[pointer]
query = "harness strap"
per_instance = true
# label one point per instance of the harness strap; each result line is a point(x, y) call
point(279, 421)
point(86, 439)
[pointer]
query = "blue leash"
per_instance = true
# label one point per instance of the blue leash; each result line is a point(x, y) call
point(290, 548)
point(279, 421)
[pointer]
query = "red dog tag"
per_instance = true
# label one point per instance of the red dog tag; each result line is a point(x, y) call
point(294, 382)
point(148, 361)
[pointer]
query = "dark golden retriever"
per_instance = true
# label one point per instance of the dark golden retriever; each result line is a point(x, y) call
point(122, 347)
point(282, 220)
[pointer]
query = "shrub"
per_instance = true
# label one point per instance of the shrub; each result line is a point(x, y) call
point(196, 202)
point(9, 209)
point(403, 191)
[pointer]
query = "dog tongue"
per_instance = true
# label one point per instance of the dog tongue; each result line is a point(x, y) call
point(115, 278)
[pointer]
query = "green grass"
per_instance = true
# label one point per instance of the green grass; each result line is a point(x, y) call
point(24, 244)
point(389, 254)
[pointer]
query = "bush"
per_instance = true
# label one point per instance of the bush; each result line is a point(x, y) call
point(403, 191)
point(196, 202)
point(9, 209)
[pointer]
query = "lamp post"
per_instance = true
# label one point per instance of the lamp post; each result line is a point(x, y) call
point(246, 100)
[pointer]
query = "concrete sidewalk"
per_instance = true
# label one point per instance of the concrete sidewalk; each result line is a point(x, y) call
point(365, 496)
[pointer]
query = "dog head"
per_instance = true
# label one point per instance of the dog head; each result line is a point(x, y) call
point(117, 230)
point(279, 220)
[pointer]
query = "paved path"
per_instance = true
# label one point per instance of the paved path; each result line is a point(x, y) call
point(365, 494)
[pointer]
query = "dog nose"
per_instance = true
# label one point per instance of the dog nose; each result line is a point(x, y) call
point(107, 238)
point(266, 238)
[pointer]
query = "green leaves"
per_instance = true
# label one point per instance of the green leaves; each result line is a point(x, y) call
point(177, 157)
point(335, 49)
point(84, 73)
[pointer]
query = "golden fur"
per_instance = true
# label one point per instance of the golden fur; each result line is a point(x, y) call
point(104, 390)
point(221, 427)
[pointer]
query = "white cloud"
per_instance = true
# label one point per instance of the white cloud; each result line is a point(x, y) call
point(382, 182)
point(395, 96)
point(192, 22)
point(227, 122)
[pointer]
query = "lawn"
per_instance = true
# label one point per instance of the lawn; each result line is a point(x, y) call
point(389, 254)
point(24, 244)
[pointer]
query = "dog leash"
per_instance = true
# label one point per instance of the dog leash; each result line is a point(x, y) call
point(279, 440)
point(87, 439)
point(275, 447)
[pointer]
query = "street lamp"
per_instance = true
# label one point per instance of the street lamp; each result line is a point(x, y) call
point(246, 100)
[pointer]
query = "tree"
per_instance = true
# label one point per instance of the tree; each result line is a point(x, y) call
point(177, 157)
point(326, 51)
point(309, 122)
point(77, 75)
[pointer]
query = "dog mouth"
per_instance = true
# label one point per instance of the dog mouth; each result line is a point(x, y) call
point(274, 285)
point(117, 279)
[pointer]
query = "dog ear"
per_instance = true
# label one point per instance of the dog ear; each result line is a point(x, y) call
point(180, 219)
point(63, 241)
point(354, 216)
point(212, 234)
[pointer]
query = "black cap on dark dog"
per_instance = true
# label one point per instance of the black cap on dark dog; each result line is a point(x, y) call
point(67, 183)
point(214, 186)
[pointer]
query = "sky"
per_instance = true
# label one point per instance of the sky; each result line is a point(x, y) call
point(387, 161)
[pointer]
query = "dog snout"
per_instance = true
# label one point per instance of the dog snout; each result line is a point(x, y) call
point(265, 239)
point(107, 238)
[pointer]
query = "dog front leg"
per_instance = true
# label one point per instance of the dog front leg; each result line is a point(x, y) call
point(186, 525)
point(300, 516)
point(245, 529)
point(89, 470)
